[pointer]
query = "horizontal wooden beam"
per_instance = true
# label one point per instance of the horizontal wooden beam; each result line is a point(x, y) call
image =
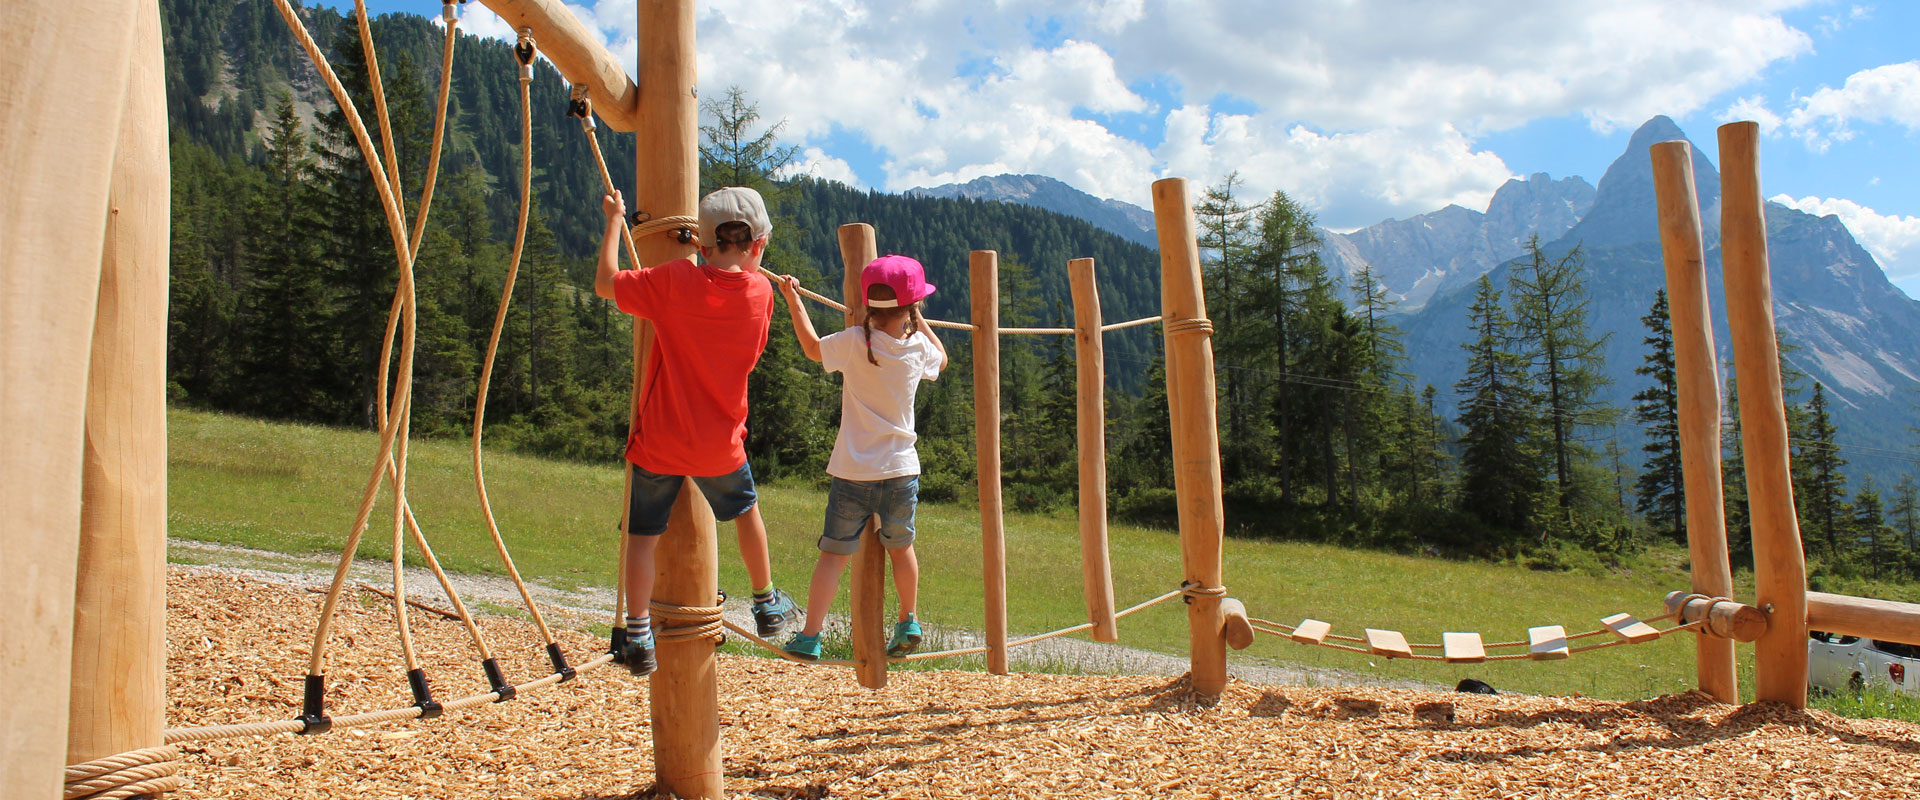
point(1725, 618)
point(1859, 616)
point(579, 56)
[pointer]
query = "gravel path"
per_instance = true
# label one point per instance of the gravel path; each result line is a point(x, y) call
point(585, 609)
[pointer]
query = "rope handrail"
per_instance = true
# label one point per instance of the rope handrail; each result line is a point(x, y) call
point(1131, 323)
point(207, 733)
point(963, 651)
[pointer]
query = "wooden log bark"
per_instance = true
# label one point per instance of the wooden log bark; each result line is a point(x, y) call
point(1196, 440)
point(1697, 380)
point(867, 596)
point(985, 293)
point(685, 694)
point(1779, 563)
point(63, 101)
point(119, 622)
point(579, 56)
point(1096, 570)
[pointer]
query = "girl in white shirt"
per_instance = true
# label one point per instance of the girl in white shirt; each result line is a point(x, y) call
point(875, 470)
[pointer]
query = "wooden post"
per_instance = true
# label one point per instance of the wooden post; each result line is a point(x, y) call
point(1696, 372)
point(684, 696)
point(119, 617)
point(1096, 570)
point(577, 53)
point(868, 593)
point(1196, 434)
point(62, 101)
point(985, 293)
point(1779, 563)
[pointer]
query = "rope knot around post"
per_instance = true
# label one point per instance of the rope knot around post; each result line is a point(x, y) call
point(1192, 590)
point(644, 224)
point(1200, 325)
point(136, 773)
point(696, 622)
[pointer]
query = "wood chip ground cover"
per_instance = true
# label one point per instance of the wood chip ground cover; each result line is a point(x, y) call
point(238, 649)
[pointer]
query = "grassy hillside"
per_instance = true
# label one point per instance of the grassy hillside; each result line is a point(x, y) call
point(294, 488)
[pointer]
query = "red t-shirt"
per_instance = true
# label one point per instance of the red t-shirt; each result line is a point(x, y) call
point(710, 327)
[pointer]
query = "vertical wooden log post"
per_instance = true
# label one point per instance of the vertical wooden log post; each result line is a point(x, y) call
point(985, 293)
point(1697, 379)
point(868, 593)
point(684, 695)
point(1196, 433)
point(62, 101)
point(1091, 382)
point(119, 616)
point(1779, 563)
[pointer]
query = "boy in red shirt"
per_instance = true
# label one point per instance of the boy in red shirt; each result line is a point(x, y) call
point(710, 326)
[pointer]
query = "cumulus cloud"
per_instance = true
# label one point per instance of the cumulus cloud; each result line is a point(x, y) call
point(1889, 93)
point(1366, 109)
point(817, 163)
point(1893, 240)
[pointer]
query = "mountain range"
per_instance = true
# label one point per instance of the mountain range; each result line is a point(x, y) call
point(1845, 325)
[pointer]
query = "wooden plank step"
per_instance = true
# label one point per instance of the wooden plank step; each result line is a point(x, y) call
point(1547, 642)
point(1463, 648)
point(1631, 629)
point(1311, 631)
point(1388, 643)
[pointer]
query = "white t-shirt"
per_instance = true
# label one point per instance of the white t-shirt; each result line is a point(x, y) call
point(876, 401)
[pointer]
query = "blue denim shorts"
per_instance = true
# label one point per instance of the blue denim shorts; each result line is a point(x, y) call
point(850, 503)
point(651, 501)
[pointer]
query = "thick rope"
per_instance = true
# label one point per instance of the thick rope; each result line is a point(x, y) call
point(393, 317)
point(1128, 324)
point(147, 771)
point(1198, 325)
point(396, 229)
point(207, 733)
point(493, 349)
point(698, 622)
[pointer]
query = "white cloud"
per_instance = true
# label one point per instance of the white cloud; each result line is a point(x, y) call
point(1366, 109)
point(1348, 179)
point(816, 163)
point(1889, 93)
point(1893, 240)
point(1751, 109)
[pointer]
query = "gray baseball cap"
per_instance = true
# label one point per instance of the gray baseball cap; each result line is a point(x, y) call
point(733, 204)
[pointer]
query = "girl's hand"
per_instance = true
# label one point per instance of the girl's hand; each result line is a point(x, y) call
point(613, 206)
point(789, 286)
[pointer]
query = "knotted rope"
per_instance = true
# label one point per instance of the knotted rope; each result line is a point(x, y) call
point(148, 771)
point(1200, 325)
point(697, 622)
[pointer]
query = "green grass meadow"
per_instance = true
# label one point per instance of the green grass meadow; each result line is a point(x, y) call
point(295, 489)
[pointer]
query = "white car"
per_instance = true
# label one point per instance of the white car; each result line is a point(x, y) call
point(1836, 662)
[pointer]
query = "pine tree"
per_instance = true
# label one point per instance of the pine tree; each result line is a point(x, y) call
point(1500, 464)
point(791, 400)
point(1286, 260)
point(1661, 488)
point(1225, 229)
point(1868, 523)
point(1733, 480)
point(1825, 485)
point(1550, 314)
point(284, 311)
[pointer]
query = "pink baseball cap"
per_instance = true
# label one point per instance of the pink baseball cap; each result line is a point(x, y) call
point(900, 273)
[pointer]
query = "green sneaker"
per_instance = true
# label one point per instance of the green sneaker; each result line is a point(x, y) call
point(906, 637)
point(804, 647)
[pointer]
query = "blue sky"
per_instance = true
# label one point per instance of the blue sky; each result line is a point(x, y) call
point(1363, 110)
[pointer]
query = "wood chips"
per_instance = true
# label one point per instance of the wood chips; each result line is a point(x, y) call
point(238, 648)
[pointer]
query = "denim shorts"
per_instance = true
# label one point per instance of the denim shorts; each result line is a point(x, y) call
point(651, 501)
point(850, 503)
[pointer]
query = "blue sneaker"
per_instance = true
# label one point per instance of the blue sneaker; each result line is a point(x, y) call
point(772, 616)
point(804, 647)
point(906, 637)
